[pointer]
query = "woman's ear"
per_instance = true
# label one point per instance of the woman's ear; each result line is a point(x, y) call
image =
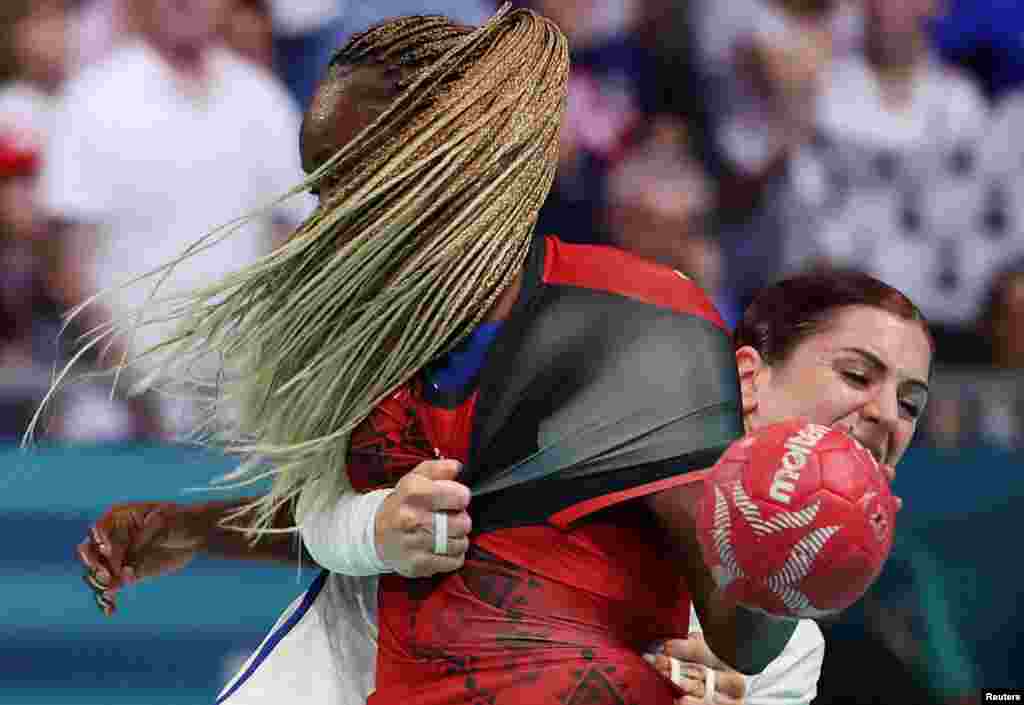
point(753, 372)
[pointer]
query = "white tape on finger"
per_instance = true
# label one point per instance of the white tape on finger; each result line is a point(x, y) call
point(709, 684)
point(440, 533)
point(676, 671)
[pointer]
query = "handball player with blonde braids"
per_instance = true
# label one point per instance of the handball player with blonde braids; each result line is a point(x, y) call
point(414, 317)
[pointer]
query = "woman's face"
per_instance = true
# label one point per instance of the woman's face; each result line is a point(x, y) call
point(865, 372)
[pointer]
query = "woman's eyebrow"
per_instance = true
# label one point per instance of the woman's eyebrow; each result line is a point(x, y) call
point(881, 366)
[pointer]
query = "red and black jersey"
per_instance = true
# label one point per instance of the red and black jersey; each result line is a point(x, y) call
point(612, 378)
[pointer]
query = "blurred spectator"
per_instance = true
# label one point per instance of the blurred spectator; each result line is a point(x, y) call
point(1000, 410)
point(984, 38)
point(154, 147)
point(22, 284)
point(309, 32)
point(1002, 319)
point(763, 62)
point(944, 425)
point(766, 58)
point(658, 202)
point(890, 182)
point(100, 25)
point(307, 35)
point(30, 317)
point(610, 69)
point(675, 83)
point(249, 30)
point(33, 57)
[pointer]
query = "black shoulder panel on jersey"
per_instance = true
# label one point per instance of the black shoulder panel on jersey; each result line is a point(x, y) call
point(587, 393)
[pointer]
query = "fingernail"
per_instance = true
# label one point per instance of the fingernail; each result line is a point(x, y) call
point(650, 658)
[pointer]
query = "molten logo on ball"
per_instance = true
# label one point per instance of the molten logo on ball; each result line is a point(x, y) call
point(796, 520)
point(798, 448)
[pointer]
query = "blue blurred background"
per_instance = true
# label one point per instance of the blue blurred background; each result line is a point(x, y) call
point(175, 640)
point(734, 140)
point(945, 612)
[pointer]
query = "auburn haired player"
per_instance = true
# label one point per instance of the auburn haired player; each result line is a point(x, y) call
point(595, 385)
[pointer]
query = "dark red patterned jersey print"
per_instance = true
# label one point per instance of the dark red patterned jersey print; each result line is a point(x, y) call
point(389, 442)
point(497, 634)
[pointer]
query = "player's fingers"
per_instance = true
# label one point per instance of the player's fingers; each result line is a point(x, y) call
point(91, 580)
point(112, 550)
point(98, 565)
point(445, 469)
point(418, 536)
point(449, 496)
point(899, 503)
point(457, 547)
point(106, 602)
point(729, 684)
point(459, 524)
point(90, 557)
point(693, 649)
point(101, 539)
point(702, 684)
point(687, 677)
point(435, 564)
point(153, 524)
point(890, 472)
point(105, 597)
point(667, 667)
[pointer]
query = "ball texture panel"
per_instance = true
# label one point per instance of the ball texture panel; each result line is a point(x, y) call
point(796, 519)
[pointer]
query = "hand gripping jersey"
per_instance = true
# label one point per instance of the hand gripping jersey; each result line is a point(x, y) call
point(612, 379)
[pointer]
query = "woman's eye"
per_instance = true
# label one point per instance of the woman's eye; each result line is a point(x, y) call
point(856, 378)
point(912, 410)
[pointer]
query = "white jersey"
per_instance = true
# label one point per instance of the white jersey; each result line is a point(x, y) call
point(323, 651)
point(900, 194)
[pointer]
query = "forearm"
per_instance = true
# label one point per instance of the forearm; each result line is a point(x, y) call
point(206, 522)
point(340, 536)
point(746, 640)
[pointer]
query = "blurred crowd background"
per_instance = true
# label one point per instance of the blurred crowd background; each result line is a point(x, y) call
point(734, 140)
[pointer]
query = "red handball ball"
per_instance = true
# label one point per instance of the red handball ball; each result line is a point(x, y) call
point(796, 520)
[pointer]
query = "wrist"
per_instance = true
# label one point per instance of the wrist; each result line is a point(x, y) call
point(343, 539)
point(197, 524)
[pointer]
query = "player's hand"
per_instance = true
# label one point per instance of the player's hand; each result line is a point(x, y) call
point(134, 541)
point(694, 659)
point(890, 474)
point(405, 521)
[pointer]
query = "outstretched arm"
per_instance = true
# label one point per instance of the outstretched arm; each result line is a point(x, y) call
point(140, 540)
point(744, 639)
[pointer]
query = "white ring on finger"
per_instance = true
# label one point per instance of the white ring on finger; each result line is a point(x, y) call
point(709, 684)
point(440, 533)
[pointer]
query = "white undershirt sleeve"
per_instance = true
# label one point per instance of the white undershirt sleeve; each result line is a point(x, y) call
point(341, 536)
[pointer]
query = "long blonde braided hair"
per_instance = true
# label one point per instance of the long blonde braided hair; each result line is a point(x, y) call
point(430, 220)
